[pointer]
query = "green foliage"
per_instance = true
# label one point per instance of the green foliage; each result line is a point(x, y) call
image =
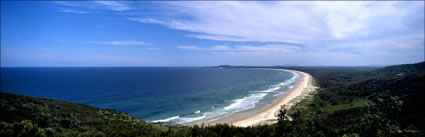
point(397, 70)
point(28, 129)
point(31, 116)
point(351, 135)
point(367, 101)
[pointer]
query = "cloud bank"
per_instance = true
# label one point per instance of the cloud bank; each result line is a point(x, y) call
point(119, 42)
point(387, 32)
point(292, 21)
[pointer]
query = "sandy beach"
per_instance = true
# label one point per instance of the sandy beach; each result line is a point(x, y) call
point(269, 113)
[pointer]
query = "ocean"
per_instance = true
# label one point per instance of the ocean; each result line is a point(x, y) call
point(155, 94)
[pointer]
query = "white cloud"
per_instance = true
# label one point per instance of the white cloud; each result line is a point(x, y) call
point(73, 11)
point(409, 44)
point(268, 48)
point(219, 47)
point(148, 20)
point(299, 22)
point(114, 5)
point(119, 42)
point(290, 21)
point(359, 31)
point(272, 48)
point(192, 48)
point(117, 6)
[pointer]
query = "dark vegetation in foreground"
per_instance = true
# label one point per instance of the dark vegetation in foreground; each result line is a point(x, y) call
point(351, 102)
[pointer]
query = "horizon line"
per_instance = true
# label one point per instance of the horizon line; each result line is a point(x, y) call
point(201, 66)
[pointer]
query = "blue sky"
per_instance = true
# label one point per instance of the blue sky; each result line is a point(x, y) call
point(207, 33)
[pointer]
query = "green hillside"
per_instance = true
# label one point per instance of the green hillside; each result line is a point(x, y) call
point(368, 101)
point(31, 116)
point(405, 69)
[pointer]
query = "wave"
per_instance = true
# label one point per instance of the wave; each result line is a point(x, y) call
point(186, 120)
point(271, 90)
point(290, 81)
point(245, 103)
point(166, 120)
point(240, 104)
point(236, 103)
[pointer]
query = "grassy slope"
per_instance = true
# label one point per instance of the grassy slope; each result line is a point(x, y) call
point(68, 116)
point(346, 96)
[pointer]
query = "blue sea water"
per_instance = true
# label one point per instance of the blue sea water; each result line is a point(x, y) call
point(187, 94)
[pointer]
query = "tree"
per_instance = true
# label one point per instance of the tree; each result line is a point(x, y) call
point(284, 127)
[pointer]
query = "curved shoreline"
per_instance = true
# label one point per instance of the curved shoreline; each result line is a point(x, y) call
point(269, 113)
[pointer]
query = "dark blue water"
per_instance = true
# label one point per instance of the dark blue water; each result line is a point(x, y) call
point(153, 93)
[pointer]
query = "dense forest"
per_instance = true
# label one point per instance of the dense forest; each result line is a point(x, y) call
point(351, 102)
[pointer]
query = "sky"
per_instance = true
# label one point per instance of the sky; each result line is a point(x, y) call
point(209, 33)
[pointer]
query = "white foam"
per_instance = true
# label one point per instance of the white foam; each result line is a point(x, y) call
point(166, 120)
point(290, 81)
point(295, 75)
point(271, 90)
point(186, 120)
point(236, 103)
point(249, 101)
point(245, 103)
